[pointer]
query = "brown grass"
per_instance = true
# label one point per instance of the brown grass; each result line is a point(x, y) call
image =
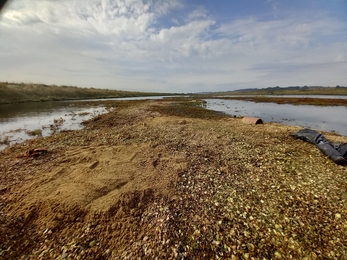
point(22, 92)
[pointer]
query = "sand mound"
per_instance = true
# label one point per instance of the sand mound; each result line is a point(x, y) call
point(93, 178)
point(108, 187)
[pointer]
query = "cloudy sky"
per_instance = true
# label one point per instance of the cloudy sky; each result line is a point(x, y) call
point(174, 45)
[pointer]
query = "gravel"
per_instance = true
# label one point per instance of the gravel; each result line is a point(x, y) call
point(237, 191)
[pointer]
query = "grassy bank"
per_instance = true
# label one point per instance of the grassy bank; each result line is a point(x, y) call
point(22, 92)
point(290, 91)
point(294, 101)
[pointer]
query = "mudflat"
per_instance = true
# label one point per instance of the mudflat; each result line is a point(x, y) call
point(169, 179)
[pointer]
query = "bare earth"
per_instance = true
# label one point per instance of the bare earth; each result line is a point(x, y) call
point(138, 182)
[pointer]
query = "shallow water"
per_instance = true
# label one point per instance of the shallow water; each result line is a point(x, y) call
point(327, 118)
point(17, 120)
point(292, 96)
point(309, 96)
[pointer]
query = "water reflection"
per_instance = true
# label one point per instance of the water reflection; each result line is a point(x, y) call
point(292, 96)
point(330, 118)
point(19, 122)
point(309, 96)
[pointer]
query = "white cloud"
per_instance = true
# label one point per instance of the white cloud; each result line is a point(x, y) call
point(126, 44)
point(199, 13)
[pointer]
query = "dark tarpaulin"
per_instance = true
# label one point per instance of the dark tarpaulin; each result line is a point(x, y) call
point(335, 151)
point(2, 3)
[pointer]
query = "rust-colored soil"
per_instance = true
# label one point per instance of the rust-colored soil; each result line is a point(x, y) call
point(139, 183)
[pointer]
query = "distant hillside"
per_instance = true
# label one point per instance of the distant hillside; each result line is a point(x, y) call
point(21, 92)
point(292, 90)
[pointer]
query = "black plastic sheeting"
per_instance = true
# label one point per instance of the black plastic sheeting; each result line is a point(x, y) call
point(335, 151)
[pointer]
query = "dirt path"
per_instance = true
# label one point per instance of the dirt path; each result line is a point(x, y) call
point(141, 182)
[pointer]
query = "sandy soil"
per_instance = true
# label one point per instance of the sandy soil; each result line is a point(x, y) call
point(141, 182)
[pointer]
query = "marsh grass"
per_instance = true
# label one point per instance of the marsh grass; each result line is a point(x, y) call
point(5, 140)
point(16, 130)
point(23, 92)
point(37, 132)
point(190, 109)
point(294, 101)
point(292, 91)
point(83, 113)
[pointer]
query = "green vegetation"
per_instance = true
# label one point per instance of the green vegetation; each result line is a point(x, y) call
point(294, 101)
point(22, 92)
point(305, 90)
point(258, 95)
point(189, 109)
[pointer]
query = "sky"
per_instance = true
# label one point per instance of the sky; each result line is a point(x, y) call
point(180, 46)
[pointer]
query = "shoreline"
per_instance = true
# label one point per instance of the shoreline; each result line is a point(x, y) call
point(31, 92)
point(9, 138)
point(292, 101)
point(171, 179)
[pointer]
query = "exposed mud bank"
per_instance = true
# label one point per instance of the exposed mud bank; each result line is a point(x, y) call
point(171, 180)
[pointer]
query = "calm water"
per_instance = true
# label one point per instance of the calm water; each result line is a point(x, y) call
point(16, 120)
point(310, 96)
point(293, 96)
point(330, 118)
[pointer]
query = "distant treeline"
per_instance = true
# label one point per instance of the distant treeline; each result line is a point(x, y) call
point(293, 90)
point(23, 92)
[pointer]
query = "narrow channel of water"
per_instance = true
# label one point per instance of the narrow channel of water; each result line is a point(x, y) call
point(327, 118)
point(292, 96)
